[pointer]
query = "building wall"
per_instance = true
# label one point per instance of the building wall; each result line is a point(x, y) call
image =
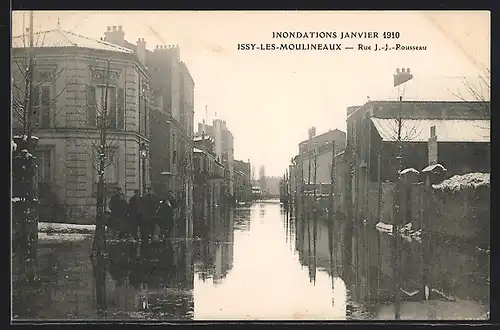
point(70, 139)
point(319, 140)
point(224, 148)
point(245, 186)
point(272, 185)
point(364, 144)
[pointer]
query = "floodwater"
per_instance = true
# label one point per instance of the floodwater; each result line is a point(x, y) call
point(259, 263)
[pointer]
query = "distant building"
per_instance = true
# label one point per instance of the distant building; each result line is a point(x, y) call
point(262, 179)
point(272, 186)
point(224, 149)
point(242, 181)
point(320, 148)
point(71, 75)
point(209, 174)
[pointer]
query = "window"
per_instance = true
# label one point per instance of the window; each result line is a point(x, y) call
point(110, 104)
point(111, 170)
point(143, 100)
point(115, 104)
point(42, 106)
point(44, 162)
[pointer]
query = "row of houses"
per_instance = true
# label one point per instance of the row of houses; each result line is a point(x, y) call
point(150, 107)
point(366, 157)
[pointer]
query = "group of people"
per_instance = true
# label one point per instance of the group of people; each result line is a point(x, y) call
point(141, 215)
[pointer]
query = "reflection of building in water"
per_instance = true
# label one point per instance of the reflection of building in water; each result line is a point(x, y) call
point(322, 246)
point(214, 250)
point(67, 285)
point(241, 220)
point(454, 271)
point(158, 284)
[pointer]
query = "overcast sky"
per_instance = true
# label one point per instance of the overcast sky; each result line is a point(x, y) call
point(270, 99)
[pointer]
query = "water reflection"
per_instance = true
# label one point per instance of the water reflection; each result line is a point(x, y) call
point(453, 276)
point(214, 249)
point(261, 262)
point(267, 280)
point(157, 287)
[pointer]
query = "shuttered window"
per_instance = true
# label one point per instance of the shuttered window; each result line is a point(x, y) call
point(36, 107)
point(45, 106)
point(121, 109)
point(91, 106)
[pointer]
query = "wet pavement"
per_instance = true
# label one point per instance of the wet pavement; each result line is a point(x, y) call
point(259, 263)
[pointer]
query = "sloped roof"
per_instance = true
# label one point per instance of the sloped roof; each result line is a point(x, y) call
point(59, 39)
point(438, 88)
point(418, 130)
point(320, 136)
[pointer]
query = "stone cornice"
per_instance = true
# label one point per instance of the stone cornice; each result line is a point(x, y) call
point(87, 133)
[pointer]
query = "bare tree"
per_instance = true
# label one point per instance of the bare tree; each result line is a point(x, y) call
point(477, 89)
point(39, 88)
point(98, 113)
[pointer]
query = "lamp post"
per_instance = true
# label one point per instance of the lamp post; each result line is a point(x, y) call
point(143, 154)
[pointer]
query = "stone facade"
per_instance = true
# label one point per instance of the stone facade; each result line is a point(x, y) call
point(67, 125)
point(224, 149)
point(172, 98)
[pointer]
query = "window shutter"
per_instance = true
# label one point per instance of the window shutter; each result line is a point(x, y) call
point(45, 108)
point(121, 109)
point(112, 108)
point(91, 106)
point(36, 106)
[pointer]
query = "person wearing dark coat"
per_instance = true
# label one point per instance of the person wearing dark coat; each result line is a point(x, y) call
point(165, 214)
point(134, 213)
point(113, 205)
point(122, 216)
point(148, 206)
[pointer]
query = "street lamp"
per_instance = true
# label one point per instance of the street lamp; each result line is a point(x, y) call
point(143, 154)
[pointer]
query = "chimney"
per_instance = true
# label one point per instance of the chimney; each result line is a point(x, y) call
point(402, 76)
point(115, 36)
point(141, 50)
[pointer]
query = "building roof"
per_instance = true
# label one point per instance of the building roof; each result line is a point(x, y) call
point(429, 89)
point(437, 88)
point(418, 130)
point(59, 39)
point(319, 136)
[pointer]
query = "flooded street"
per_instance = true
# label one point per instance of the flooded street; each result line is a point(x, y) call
point(258, 263)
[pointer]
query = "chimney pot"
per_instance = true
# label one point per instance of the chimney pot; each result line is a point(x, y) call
point(408, 70)
point(397, 70)
point(109, 28)
point(156, 46)
point(403, 70)
point(114, 27)
point(120, 28)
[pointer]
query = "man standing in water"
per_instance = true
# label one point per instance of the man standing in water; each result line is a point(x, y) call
point(148, 207)
point(114, 207)
point(165, 214)
point(134, 214)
